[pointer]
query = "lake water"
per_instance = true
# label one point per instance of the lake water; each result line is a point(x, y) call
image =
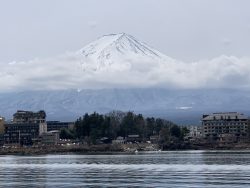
point(153, 169)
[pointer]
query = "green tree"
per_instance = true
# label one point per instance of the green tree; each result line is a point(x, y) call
point(164, 135)
point(128, 125)
point(91, 127)
point(184, 132)
point(175, 131)
point(66, 134)
point(150, 127)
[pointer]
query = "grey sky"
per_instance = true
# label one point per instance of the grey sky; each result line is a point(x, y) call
point(183, 29)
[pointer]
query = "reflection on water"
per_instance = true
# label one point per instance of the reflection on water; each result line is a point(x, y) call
point(164, 169)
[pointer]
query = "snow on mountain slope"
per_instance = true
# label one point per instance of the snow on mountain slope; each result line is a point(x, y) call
point(120, 52)
point(123, 44)
point(170, 104)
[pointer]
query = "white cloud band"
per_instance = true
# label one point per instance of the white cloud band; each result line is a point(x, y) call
point(71, 71)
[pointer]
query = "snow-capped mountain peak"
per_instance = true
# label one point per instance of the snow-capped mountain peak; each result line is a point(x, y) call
point(115, 60)
point(119, 51)
point(118, 43)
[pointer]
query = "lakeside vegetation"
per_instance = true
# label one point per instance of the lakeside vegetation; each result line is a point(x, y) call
point(92, 127)
point(89, 131)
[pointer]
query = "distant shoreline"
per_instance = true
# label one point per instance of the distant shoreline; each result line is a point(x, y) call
point(112, 149)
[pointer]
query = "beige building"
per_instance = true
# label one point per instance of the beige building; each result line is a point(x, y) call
point(230, 125)
point(1, 125)
point(194, 131)
point(2, 130)
point(50, 138)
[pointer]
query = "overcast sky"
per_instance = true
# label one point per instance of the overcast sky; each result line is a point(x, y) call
point(188, 30)
point(209, 41)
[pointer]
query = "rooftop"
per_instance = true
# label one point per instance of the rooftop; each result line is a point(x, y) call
point(22, 116)
point(224, 116)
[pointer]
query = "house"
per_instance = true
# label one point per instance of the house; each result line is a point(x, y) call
point(134, 138)
point(119, 140)
point(104, 140)
point(154, 139)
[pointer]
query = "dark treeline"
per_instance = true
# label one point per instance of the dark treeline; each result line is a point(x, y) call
point(94, 126)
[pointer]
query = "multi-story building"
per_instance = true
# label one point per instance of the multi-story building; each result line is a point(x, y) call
point(1, 125)
point(23, 134)
point(25, 128)
point(228, 125)
point(50, 138)
point(194, 131)
point(58, 125)
point(22, 116)
point(2, 129)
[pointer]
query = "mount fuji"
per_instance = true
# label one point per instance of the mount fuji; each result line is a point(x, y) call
point(121, 56)
point(117, 72)
point(111, 61)
point(120, 51)
point(109, 49)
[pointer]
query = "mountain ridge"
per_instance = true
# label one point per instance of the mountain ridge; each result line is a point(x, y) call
point(152, 82)
point(180, 106)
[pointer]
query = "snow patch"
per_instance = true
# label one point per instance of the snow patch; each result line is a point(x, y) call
point(184, 108)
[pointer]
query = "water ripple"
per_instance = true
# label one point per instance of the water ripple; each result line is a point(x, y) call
point(166, 169)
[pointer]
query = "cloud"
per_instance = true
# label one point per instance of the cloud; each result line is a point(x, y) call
point(70, 71)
